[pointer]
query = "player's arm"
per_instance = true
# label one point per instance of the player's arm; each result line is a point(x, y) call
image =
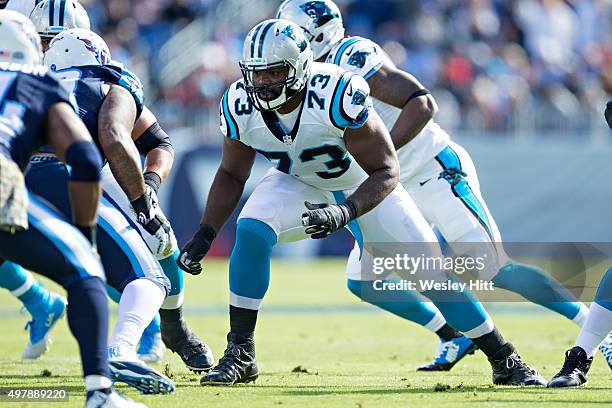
point(368, 141)
point(115, 124)
point(73, 145)
point(373, 150)
point(608, 113)
point(225, 192)
point(402, 90)
point(152, 142)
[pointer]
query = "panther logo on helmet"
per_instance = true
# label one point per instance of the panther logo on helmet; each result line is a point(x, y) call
point(289, 32)
point(320, 12)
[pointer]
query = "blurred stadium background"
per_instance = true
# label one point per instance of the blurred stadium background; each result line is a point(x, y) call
point(520, 83)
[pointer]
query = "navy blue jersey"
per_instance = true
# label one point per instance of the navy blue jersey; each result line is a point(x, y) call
point(87, 85)
point(26, 94)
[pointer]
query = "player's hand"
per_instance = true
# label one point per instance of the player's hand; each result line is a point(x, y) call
point(608, 114)
point(193, 251)
point(322, 219)
point(154, 222)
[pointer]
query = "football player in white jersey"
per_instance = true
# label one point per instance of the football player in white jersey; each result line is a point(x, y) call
point(336, 166)
point(437, 173)
point(24, 7)
point(595, 331)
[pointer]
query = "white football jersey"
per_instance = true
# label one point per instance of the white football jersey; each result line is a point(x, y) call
point(314, 150)
point(24, 7)
point(365, 57)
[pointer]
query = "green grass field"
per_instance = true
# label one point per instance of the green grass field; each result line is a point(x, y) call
point(354, 355)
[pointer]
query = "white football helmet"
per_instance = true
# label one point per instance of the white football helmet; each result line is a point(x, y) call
point(76, 47)
point(320, 19)
point(20, 41)
point(273, 45)
point(51, 17)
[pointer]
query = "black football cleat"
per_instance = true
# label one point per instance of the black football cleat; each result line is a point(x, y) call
point(509, 369)
point(177, 337)
point(237, 365)
point(574, 370)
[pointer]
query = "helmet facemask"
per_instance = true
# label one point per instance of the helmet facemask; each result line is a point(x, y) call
point(272, 95)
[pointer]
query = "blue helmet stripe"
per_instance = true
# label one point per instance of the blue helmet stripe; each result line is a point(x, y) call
point(253, 41)
point(62, 11)
point(261, 39)
point(51, 9)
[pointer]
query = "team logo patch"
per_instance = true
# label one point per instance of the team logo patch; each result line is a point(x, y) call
point(359, 98)
point(319, 12)
point(359, 58)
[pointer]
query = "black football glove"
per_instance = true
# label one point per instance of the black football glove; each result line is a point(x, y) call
point(608, 114)
point(324, 219)
point(193, 251)
point(153, 221)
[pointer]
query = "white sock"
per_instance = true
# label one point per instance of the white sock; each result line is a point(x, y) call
point(581, 316)
point(436, 323)
point(25, 286)
point(97, 382)
point(139, 303)
point(597, 326)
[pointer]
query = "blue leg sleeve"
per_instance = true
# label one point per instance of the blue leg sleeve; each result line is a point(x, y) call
point(13, 278)
point(173, 272)
point(249, 269)
point(113, 293)
point(405, 304)
point(538, 287)
point(462, 311)
point(603, 296)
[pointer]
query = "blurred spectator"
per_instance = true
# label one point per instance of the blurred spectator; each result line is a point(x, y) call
point(493, 65)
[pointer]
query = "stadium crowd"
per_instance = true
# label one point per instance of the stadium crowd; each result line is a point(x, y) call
point(494, 66)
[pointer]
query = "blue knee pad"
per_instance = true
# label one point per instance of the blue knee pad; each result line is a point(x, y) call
point(12, 276)
point(538, 287)
point(405, 304)
point(249, 269)
point(603, 297)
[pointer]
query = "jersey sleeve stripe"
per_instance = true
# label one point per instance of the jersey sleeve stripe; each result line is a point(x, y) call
point(373, 70)
point(338, 117)
point(343, 48)
point(232, 127)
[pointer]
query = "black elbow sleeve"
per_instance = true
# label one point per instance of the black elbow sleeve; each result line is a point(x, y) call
point(154, 138)
point(416, 94)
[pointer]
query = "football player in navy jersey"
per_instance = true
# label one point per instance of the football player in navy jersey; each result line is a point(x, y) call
point(36, 109)
point(44, 306)
point(51, 18)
